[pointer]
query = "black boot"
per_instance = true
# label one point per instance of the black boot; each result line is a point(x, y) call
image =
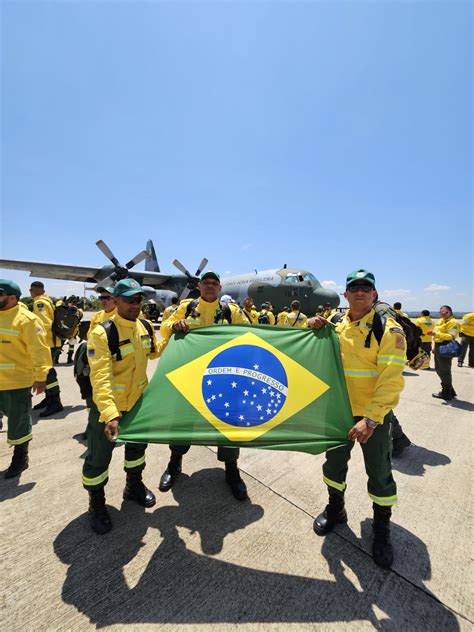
point(453, 393)
point(69, 356)
point(136, 490)
point(382, 549)
point(444, 394)
point(98, 514)
point(19, 461)
point(235, 482)
point(53, 406)
point(171, 473)
point(333, 514)
point(399, 444)
point(42, 404)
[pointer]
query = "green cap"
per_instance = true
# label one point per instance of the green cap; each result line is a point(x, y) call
point(9, 287)
point(360, 275)
point(127, 287)
point(210, 275)
point(101, 288)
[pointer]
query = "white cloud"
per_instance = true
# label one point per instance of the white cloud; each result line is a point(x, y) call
point(434, 288)
point(332, 285)
point(398, 293)
point(245, 246)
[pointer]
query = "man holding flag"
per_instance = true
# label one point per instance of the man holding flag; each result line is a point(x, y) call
point(373, 373)
point(203, 312)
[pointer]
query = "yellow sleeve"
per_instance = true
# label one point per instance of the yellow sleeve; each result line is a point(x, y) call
point(451, 334)
point(93, 323)
point(46, 314)
point(166, 329)
point(391, 360)
point(102, 379)
point(35, 340)
point(238, 316)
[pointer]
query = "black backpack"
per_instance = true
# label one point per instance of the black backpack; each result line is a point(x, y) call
point(65, 322)
point(81, 361)
point(263, 319)
point(223, 313)
point(412, 332)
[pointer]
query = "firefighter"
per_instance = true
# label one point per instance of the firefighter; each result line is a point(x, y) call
point(118, 383)
point(467, 339)
point(170, 310)
point(203, 312)
point(374, 380)
point(397, 306)
point(25, 360)
point(426, 324)
point(250, 312)
point(43, 307)
point(281, 318)
point(296, 318)
point(107, 302)
point(447, 328)
point(266, 316)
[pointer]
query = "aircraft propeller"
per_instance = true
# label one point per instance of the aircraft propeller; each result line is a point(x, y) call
point(120, 272)
point(192, 280)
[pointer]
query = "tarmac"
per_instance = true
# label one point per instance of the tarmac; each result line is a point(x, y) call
point(201, 560)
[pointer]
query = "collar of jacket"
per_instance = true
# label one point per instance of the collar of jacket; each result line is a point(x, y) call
point(123, 322)
point(10, 311)
point(205, 305)
point(369, 317)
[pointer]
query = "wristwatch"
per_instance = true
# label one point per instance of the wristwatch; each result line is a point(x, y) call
point(371, 423)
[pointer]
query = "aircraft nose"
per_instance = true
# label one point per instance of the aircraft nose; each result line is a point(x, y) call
point(322, 295)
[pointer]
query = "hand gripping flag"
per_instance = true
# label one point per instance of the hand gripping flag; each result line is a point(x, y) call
point(245, 386)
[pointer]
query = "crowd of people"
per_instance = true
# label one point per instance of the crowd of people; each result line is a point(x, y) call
point(120, 341)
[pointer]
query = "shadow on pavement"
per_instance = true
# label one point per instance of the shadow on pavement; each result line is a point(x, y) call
point(181, 586)
point(460, 403)
point(414, 459)
point(11, 487)
point(62, 415)
point(409, 374)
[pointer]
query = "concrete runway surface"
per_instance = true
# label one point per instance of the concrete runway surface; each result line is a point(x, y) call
point(200, 560)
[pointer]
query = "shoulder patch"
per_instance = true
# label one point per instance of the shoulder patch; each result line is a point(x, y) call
point(400, 342)
point(40, 305)
point(397, 330)
point(90, 352)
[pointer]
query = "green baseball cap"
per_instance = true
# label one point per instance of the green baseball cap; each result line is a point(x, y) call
point(360, 275)
point(101, 288)
point(9, 287)
point(127, 287)
point(210, 275)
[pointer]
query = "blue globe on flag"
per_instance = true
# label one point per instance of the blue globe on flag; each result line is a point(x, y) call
point(245, 386)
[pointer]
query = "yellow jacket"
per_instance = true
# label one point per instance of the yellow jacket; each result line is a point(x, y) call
point(169, 311)
point(43, 307)
point(374, 375)
point(426, 324)
point(24, 356)
point(203, 316)
point(118, 384)
point(399, 311)
point(281, 318)
point(296, 319)
point(467, 324)
point(100, 317)
point(251, 317)
point(446, 329)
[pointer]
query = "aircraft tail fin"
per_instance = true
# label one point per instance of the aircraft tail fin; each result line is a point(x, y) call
point(151, 262)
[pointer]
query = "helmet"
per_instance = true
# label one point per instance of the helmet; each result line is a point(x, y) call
point(420, 361)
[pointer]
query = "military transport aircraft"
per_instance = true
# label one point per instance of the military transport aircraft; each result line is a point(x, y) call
point(278, 286)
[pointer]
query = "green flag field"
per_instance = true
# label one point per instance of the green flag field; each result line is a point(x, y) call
point(245, 386)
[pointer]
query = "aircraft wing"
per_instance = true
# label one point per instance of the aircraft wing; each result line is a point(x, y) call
point(52, 270)
point(156, 279)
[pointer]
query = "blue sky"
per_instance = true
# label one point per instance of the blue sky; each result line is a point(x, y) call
point(326, 135)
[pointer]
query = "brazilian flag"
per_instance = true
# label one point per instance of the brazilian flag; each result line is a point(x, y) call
point(247, 386)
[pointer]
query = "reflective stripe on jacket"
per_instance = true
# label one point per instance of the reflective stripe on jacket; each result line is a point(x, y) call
point(446, 329)
point(118, 384)
point(373, 375)
point(24, 355)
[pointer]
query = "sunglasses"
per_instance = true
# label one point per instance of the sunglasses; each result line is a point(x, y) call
point(105, 298)
point(133, 300)
point(359, 288)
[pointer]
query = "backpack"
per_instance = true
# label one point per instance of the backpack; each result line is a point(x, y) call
point(263, 318)
point(223, 313)
point(412, 332)
point(81, 361)
point(65, 322)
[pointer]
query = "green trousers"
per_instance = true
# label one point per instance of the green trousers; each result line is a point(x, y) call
point(52, 384)
point(377, 458)
point(95, 471)
point(443, 369)
point(16, 405)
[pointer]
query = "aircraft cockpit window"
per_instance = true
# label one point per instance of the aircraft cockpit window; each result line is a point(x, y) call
point(291, 278)
point(309, 277)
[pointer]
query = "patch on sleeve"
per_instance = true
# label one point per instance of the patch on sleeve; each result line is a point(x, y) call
point(90, 352)
point(40, 305)
point(400, 342)
point(397, 330)
point(39, 330)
